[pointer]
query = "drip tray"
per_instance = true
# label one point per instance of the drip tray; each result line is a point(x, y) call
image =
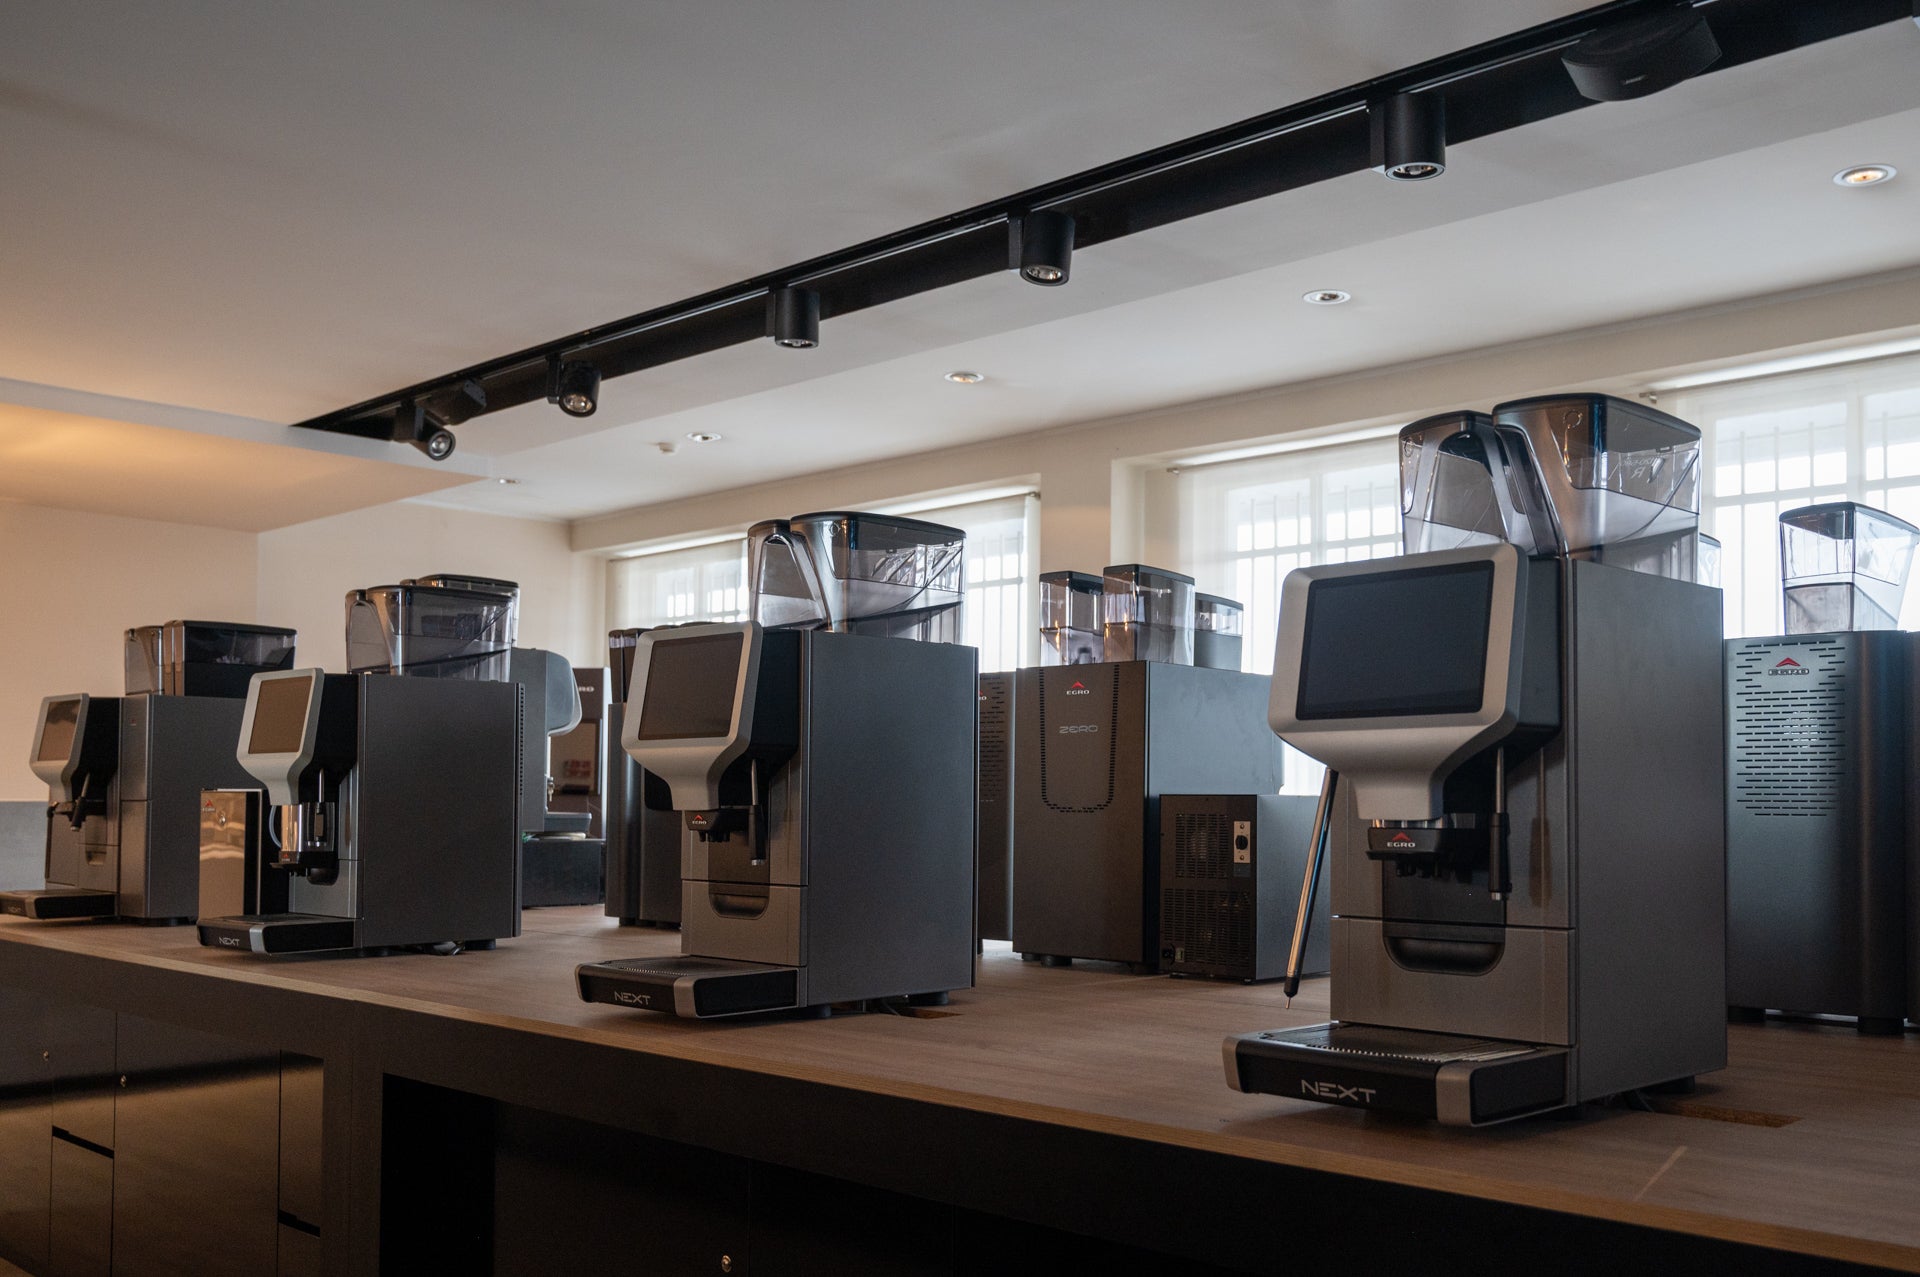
point(694, 988)
point(59, 902)
point(278, 933)
point(1460, 1081)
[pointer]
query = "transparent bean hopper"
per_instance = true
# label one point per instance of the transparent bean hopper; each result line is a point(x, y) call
point(1622, 479)
point(203, 658)
point(1218, 627)
point(430, 630)
point(857, 573)
point(1148, 613)
point(1843, 567)
point(1070, 619)
point(1465, 479)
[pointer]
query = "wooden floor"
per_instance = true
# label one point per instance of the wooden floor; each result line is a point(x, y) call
point(1809, 1141)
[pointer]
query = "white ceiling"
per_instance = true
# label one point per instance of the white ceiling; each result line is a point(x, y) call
point(259, 213)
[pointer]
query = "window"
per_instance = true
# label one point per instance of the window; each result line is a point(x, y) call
point(701, 583)
point(1838, 434)
point(1246, 524)
point(1000, 618)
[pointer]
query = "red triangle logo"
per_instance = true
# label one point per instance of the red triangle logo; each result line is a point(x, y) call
point(1789, 663)
point(1078, 684)
point(1400, 839)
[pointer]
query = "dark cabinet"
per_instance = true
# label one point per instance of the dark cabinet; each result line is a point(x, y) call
point(26, 1129)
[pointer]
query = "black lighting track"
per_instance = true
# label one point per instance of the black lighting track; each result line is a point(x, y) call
point(1490, 88)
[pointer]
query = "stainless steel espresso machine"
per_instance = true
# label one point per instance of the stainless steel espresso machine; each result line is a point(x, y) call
point(1821, 731)
point(137, 780)
point(399, 794)
point(1523, 814)
point(822, 759)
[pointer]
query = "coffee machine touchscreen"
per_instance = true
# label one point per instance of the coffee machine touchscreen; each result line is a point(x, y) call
point(1396, 643)
point(690, 688)
point(56, 734)
point(280, 715)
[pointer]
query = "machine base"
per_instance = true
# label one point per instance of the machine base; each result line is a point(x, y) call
point(278, 933)
point(1458, 1081)
point(56, 903)
point(693, 988)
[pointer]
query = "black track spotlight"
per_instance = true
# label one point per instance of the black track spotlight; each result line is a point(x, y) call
point(796, 318)
point(413, 424)
point(1046, 247)
point(1409, 136)
point(1644, 55)
point(574, 384)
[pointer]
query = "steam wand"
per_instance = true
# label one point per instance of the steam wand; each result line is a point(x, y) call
point(1316, 852)
point(1499, 876)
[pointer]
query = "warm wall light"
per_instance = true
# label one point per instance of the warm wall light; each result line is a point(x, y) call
point(796, 318)
point(1046, 247)
point(575, 385)
point(1409, 136)
point(1865, 175)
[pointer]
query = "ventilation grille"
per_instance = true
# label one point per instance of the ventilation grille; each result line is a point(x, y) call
point(1790, 755)
point(996, 738)
point(1207, 927)
point(1202, 845)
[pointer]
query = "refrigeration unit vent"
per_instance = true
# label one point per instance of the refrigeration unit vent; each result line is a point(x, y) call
point(1207, 926)
point(1790, 755)
point(1202, 845)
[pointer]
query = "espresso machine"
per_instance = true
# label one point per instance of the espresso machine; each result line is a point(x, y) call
point(1522, 821)
point(1820, 732)
point(643, 840)
point(821, 758)
point(398, 789)
point(127, 775)
point(1098, 744)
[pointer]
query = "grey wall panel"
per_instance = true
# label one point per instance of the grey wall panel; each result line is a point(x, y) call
point(23, 845)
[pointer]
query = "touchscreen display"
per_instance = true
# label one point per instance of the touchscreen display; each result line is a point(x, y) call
point(280, 715)
point(690, 686)
point(56, 738)
point(1396, 643)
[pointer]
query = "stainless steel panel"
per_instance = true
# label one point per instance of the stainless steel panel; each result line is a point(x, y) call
point(224, 833)
point(774, 937)
point(1522, 998)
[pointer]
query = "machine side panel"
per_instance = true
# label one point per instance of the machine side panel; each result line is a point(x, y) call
point(643, 847)
point(1650, 910)
point(192, 741)
point(995, 902)
point(1207, 733)
point(890, 743)
point(439, 841)
point(1080, 811)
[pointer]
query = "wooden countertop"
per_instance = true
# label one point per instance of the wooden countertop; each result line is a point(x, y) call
point(1809, 1141)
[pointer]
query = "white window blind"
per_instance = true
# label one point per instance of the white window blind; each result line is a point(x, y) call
point(702, 583)
point(1245, 524)
point(1000, 618)
point(1849, 433)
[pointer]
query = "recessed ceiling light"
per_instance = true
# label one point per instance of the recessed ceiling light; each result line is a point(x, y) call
point(1865, 175)
point(1326, 296)
point(509, 482)
point(702, 436)
point(964, 378)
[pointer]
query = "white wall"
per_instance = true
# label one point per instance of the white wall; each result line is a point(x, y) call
point(1102, 484)
point(73, 584)
point(306, 570)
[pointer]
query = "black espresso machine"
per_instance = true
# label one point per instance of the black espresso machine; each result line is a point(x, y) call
point(1522, 815)
point(149, 815)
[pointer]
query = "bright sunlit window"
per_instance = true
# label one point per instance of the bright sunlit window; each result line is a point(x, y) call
point(702, 583)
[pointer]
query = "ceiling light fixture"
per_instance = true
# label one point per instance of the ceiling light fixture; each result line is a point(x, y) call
point(413, 424)
point(509, 482)
point(703, 436)
point(1865, 175)
point(1409, 136)
point(965, 378)
point(796, 318)
point(1641, 56)
point(1046, 247)
point(574, 384)
point(1326, 296)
